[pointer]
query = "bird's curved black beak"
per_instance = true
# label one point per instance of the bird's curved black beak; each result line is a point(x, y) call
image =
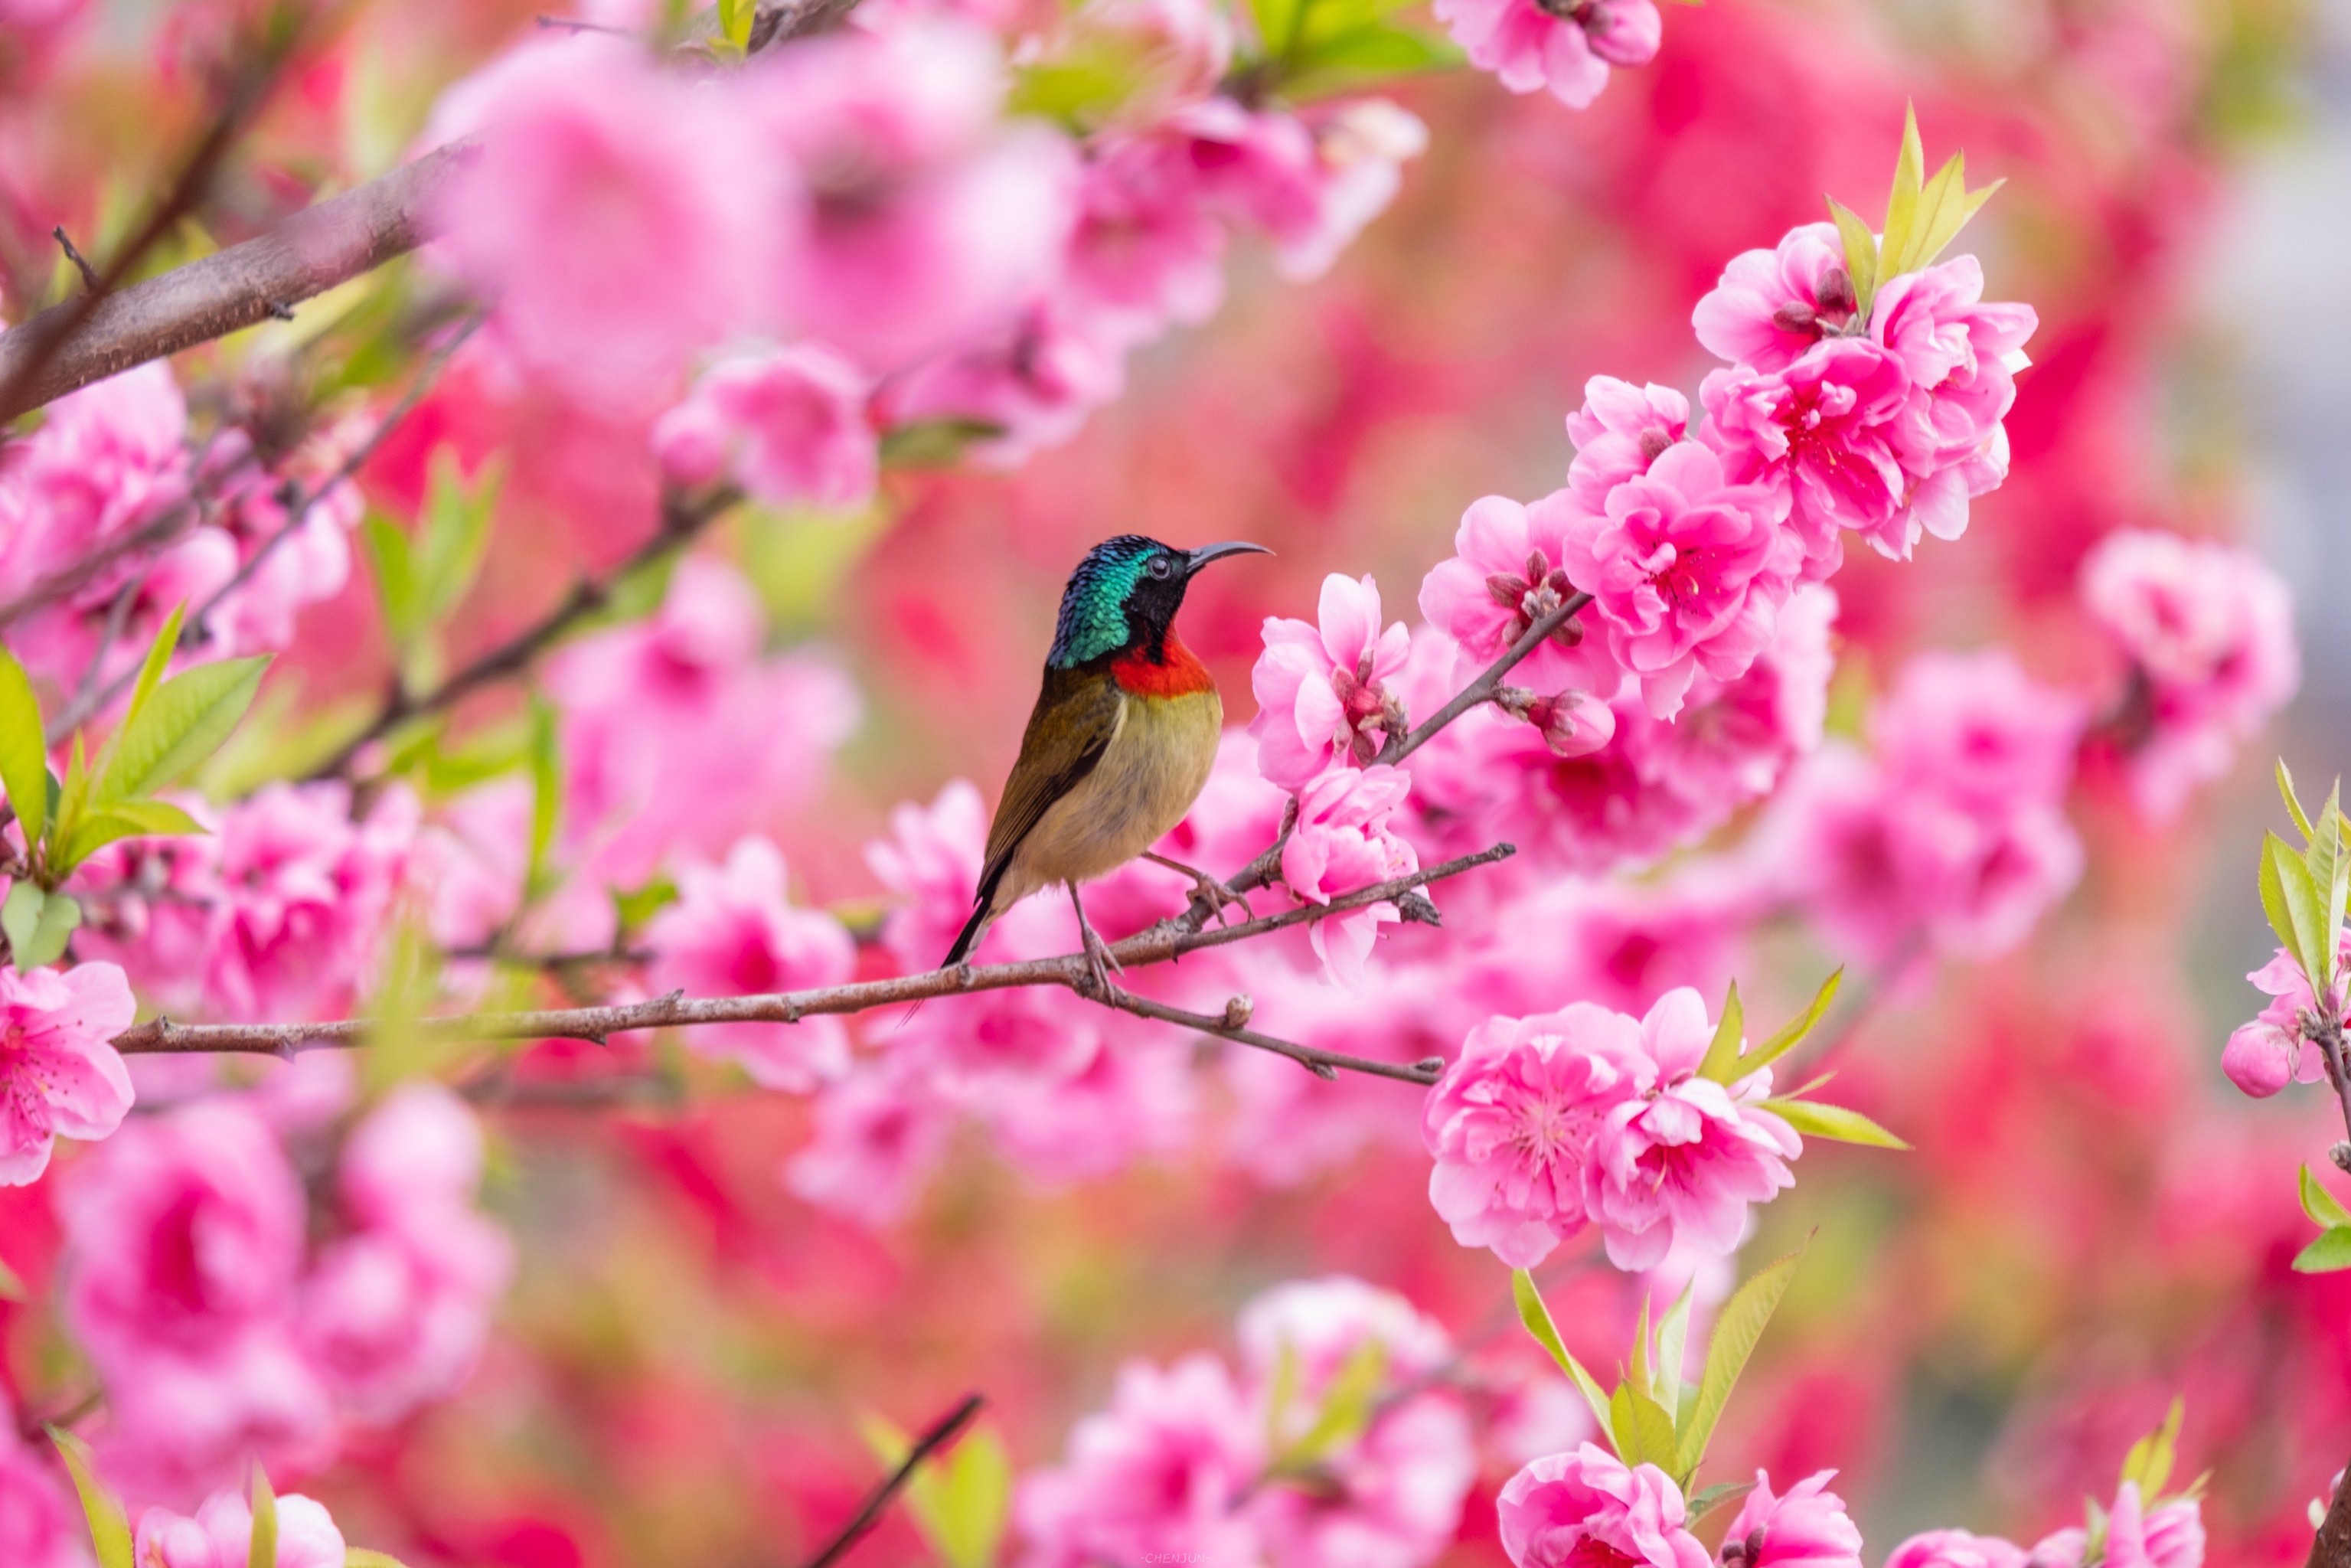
point(1195, 559)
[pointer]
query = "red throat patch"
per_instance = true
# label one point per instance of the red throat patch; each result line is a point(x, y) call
point(1179, 672)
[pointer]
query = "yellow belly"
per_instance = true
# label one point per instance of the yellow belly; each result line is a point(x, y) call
point(1157, 759)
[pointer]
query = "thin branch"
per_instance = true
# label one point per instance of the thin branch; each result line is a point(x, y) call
point(89, 277)
point(70, 345)
point(1483, 688)
point(163, 529)
point(1324, 1064)
point(1162, 944)
point(942, 1432)
point(681, 519)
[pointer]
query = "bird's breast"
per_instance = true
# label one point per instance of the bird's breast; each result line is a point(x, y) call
point(1147, 778)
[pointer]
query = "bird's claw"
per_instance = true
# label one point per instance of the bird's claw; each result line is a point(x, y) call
point(1217, 894)
point(1101, 962)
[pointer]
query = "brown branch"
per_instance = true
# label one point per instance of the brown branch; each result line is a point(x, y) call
point(683, 519)
point(942, 1432)
point(1162, 944)
point(1483, 688)
point(92, 336)
point(105, 332)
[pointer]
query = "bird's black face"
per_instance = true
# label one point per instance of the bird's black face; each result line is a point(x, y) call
point(1126, 593)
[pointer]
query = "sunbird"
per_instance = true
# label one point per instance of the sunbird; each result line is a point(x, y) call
point(1120, 742)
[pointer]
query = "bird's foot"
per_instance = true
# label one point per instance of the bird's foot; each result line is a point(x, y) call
point(1204, 888)
point(1101, 962)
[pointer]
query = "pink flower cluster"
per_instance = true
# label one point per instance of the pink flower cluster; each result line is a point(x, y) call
point(186, 1284)
point(1545, 1125)
point(1550, 44)
point(924, 257)
point(2209, 633)
point(1886, 427)
point(1188, 1464)
point(2169, 1535)
point(1951, 835)
point(220, 1535)
point(277, 913)
point(41, 1523)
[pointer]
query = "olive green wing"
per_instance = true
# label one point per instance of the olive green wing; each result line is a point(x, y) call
point(1076, 714)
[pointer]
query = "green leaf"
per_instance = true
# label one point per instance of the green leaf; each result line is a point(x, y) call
point(933, 443)
point(361, 1557)
point(24, 752)
point(2151, 1458)
point(392, 562)
point(1834, 1123)
point(65, 804)
point(546, 761)
point(1673, 1349)
point(262, 1552)
point(1722, 1062)
point(2330, 869)
point(1638, 1373)
point(1346, 1406)
point(1644, 1432)
point(1902, 200)
point(2330, 1252)
point(1278, 1399)
point(1706, 1501)
point(110, 1530)
point(2291, 900)
point(457, 517)
point(1794, 1033)
point(734, 21)
point(1277, 23)
point(1737, 1329)
point(2293, 805)
point(961, 1502)
point(1537, 1319)
point(39, 925)
point(1860, 254)
point(124, 819)
point(142, 690)
point(1367, 57)
point(2320, 1204)
point(190, 715)
point(12, 1289)
point(635, 905)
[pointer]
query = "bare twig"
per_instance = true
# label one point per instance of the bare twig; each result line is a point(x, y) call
point(52, 353)
point(1483, 688)
point(1162, 944)
point(89, 278)
point(941, 1433)
point(1324, 1064)
point(163, 529)
point(683, 517)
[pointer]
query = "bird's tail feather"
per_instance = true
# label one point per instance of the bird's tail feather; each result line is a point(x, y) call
point(968, 937)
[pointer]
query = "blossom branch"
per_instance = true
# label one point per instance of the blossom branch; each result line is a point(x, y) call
point(107, 328)
point(1162, 943)
point(942, 1432)
point(1485, 687)
point(681, 519)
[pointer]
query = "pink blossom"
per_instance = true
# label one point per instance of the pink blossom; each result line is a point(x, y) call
point(878, 1134)
point(1962, 356)
point(2264, 1055)
point(1508, 571)
point(221, 1535)
point(734, 932)
point(1318, 1324)
point(1825, 427)
point(1145, 250)
point(926, 226)
point(1568, 49)
point(656, 758)
point(59, 1072)
point(1391, 1499)
point(1682, 1157)
point(1570, 1511)
point(183, 1241)
point(1621, 429)
point(2209, 632)
point(290, 561)
point(41, 1523)
point(1016, 1038)
point(788, 425)
point(1344, 840)
point(1361, 146)
point(1621, 943)
point(1158, 1476)
point(1976, 729)
point(598, 215)
point(1027, 385)
point(930, 861)
point(1955, 1549)
point(1804, 1527)
point(105, 460)
point(1175, 51)
point(1511, 1127)
point(1772, 305)
point(469, 865)
point(2170, 1536)
point(1687, 571)
point(1133, 1097)
point(1321, 690)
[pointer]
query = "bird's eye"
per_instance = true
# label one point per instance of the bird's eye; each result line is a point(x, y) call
point(1160, 566)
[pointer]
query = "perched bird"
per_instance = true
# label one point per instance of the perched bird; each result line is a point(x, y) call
point(1120, 742)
